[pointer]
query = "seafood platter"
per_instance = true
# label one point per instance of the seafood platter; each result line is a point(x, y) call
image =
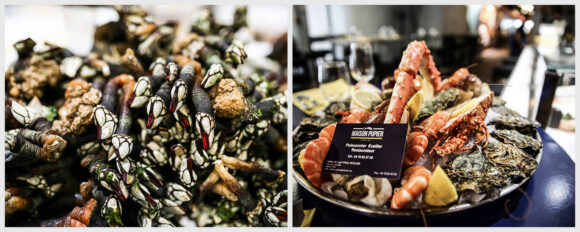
point(148, 129)
point(463, 147)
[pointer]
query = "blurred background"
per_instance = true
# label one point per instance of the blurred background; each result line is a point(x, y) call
point(73, 26)
point(526, 51)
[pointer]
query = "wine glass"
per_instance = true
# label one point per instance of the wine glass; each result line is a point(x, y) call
point(362, 67)
point(329, 72)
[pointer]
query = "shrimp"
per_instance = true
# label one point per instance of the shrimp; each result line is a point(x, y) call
point(415, 180)
point(316, 151)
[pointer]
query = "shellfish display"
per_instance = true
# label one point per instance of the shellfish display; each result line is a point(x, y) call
point(150, 129)
point(458, 148)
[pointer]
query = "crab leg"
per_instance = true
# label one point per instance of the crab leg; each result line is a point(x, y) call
point(204, 118)
point(416, 57)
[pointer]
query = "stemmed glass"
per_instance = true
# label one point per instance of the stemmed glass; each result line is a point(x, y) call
point(362, 67)
point(329, 72)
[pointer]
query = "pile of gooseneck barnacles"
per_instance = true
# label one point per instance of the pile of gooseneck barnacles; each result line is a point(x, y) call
point(147, 129)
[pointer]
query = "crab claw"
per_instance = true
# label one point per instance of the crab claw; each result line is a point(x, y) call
point(111, 180)
point(106, 122)
point(178, 193)
point(212, 76)
point(178, 94)
point(123, 145)
point(111, 211)
point(156, 111)
point(141, 195)
point(171, 71)
point(141, 92)
point(205, 126)
point(186, 173)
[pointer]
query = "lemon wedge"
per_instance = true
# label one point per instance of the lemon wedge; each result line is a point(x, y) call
point(428, 90)
point(414, 104)
point(463, 107)
point(440, 191)
point(366, 99)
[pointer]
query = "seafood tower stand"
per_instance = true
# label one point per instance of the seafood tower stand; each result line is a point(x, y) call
point(402, 124)
point(146, 119)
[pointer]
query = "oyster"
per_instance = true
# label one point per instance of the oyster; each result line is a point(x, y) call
point(310, 127)
point(514, 161)
point(521, 141)
point(471, 170)
point(521, 124)
point(443, 100)
point(504, 110)
point(498, 101)
point(370, 191)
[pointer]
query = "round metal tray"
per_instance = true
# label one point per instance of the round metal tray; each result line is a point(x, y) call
point(384, 211)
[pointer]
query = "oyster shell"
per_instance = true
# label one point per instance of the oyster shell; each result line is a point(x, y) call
point(370, 191)
point(471, 170)
point(521, 141)
point(310, 127)
point(514, 161)
point(521, 124)
point(443, 100)
point(504, 110)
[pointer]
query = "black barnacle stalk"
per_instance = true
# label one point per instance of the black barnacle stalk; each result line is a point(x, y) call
point(204, 119)
point(104, 116)
point(233, 185)
point(33, 144)
point(122, 141)
point(130, 62)
point(270, 175)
